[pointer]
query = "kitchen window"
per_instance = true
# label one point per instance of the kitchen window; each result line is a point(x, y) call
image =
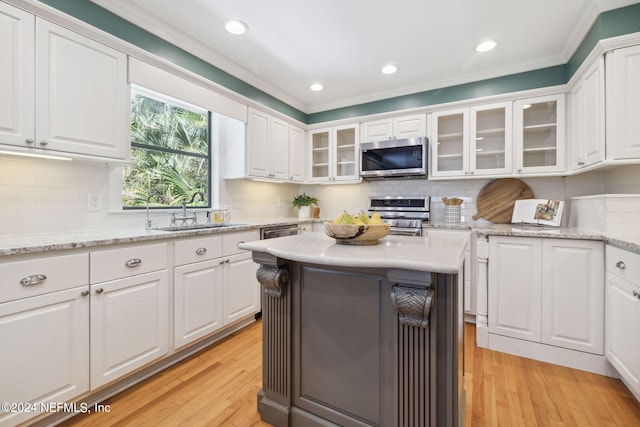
point(171, 151)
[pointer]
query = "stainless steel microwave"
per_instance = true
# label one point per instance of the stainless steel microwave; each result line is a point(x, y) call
point(394, 158)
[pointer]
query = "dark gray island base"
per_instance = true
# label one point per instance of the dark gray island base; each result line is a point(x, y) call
point(359, 346)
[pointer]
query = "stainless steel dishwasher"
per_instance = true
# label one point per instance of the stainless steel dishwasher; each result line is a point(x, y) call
point(279, 231)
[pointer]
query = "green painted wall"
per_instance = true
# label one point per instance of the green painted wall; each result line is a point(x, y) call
point(609, 24)
point(618, 22)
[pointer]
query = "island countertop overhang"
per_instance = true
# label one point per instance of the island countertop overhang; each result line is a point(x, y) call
point(436, 255)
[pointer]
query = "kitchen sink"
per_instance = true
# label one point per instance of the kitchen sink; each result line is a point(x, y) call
point(199, 226)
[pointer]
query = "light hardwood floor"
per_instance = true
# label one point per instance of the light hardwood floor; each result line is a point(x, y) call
point(218, 386)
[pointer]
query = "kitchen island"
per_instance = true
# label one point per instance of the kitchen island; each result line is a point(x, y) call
point(361, 335)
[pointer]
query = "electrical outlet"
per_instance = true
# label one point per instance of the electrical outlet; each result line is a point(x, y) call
point(94, 202)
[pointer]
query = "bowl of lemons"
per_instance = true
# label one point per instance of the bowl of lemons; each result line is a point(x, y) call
point(348, 229)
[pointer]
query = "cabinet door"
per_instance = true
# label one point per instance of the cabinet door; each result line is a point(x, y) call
point(587, 114)
point(82, 94)
point(623, 103)
point(258, 144)
point(623, 329)
point(514, 287)
point(410, 126)
point(45, 349)
point(345, 160)
point(129, 325)
point(296, 154)
point(490, 141)
point(198, 301)
point(279, 149)
point(320, 154)
point(573, 294)
point(241, 288)
point(450, 143)
point(539, 134)
point(16, 76)
point(377, 130)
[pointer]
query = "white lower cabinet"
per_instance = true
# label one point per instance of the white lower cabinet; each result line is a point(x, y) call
point(45, 351)
point(241, 287)
point(44, 332)
point(198, 289)
point(129, 311)
point(622, 322)
point(548, 291)
point(215, 285)
point(129, 325)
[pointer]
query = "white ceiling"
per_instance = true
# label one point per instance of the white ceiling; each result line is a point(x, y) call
point(344, 43)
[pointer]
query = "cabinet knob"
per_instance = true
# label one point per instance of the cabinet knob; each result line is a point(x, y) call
point(99, 291)
point(636, 294)
point(621, 265)
point(44, 142)
point(519, 170)
point(134, 262)
point(84, 293)
point(34, 279)
point(580, 163)
point(201, 251)
point(29, 140)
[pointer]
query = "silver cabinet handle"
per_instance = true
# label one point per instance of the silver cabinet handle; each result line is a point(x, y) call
point(580, 163)
point(44, 142)
point(84, 293)
point(201, 251)
point(99, 291)
point(134, 262)
point(621, 265)
point(34, 279)
point(636, 294)
point(29, 140)
point(227, 261)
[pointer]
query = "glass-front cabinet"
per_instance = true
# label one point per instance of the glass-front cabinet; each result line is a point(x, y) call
point(539, 134)
point(334, 154)
point(472, 141)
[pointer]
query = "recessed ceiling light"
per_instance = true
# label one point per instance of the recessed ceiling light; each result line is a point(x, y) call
point(486, 46)
point(316, 87)
point(235, 27)
point(389, 69)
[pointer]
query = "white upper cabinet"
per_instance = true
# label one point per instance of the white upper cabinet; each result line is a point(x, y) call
point(16, 75)
point(82, 94)
point(334, 154)
point(297, 157)
point(61, 91)
point(539, 134)
point(395, 128)
point(472, 141)
point(273, 148)
point(623, 103)
point(587, 131)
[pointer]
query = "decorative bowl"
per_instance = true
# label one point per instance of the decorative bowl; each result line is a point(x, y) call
point(356, 234)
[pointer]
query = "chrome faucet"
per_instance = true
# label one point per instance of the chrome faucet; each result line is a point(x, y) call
point(184, 218)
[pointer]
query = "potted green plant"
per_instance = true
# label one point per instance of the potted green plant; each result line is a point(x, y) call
point(303, 202)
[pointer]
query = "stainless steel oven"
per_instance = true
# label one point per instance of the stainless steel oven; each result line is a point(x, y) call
point(405, 214)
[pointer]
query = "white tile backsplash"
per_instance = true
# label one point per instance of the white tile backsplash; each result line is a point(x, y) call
point(617, 214)
point(51, 196)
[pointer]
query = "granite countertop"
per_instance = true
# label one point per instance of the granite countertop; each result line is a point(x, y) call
point(47, 242)
point(431, 254)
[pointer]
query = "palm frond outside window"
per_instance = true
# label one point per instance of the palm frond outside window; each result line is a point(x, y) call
point(171, 148)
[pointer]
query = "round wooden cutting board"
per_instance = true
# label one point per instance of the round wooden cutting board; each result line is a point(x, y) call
point(497, 198)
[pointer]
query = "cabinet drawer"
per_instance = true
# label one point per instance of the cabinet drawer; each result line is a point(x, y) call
point(198, 249)
point(230, 241)
point(31, 277)
point(625, 264)
point(124, 262)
